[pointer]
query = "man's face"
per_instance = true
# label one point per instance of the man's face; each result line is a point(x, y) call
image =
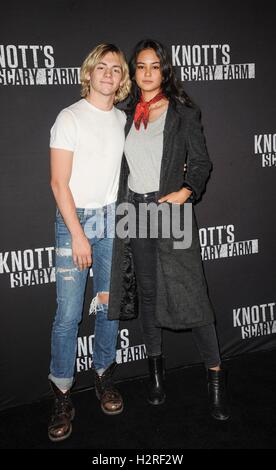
point(106, 77)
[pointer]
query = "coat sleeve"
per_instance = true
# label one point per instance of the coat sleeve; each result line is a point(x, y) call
point(198, 161)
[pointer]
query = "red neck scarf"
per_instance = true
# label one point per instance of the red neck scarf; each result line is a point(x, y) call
point(142, 110)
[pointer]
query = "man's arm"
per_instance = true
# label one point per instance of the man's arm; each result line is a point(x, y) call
point(61, 168)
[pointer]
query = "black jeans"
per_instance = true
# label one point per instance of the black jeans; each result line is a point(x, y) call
point(144, 256)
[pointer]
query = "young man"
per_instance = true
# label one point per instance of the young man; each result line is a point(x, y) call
point(86, 144)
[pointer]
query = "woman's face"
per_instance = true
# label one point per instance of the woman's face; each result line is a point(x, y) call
point(148, 74)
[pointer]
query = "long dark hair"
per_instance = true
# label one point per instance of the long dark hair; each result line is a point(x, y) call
point(171, 87)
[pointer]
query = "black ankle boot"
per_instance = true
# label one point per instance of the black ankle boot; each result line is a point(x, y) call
point(60, 426)
point(217, 395)
point(156, 387)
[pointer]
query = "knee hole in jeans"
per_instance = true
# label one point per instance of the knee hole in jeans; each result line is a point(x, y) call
point(101, 298)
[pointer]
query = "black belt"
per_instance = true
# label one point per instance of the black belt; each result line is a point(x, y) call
point(152, 196)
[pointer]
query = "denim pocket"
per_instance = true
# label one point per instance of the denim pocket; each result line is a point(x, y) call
point(59, 218)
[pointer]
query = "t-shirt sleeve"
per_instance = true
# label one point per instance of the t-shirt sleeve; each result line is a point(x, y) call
point(123, 117)
point(63, 134)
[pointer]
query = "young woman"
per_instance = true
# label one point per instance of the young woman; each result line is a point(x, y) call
point(166, 285)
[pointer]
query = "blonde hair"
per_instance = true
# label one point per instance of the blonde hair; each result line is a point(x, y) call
point(93, 58)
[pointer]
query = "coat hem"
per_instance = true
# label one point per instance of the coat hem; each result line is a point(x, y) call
point(185, 326)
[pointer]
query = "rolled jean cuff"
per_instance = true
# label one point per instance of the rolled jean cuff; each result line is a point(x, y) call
point(61, 383)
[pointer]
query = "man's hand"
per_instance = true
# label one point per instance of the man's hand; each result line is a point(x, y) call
point(81, 252)
point(178, 197)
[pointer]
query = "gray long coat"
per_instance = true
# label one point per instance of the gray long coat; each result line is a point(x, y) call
point(181, 292)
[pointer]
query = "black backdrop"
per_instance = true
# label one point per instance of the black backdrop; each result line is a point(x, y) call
point(226, 53)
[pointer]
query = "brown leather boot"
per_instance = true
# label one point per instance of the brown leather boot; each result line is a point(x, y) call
point(111, 400)
point(60, 426)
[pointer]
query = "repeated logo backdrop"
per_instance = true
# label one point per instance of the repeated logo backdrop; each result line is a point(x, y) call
point(224, 55)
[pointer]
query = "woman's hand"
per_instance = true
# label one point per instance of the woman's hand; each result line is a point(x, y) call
point(178, 197)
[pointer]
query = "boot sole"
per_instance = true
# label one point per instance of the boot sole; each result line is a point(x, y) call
point(220, 419)
point(62, 438)
point(109, 413)
point(157, 404)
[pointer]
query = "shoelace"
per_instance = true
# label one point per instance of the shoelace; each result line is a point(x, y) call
point(61, 405)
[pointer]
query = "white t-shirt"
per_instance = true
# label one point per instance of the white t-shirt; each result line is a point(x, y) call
point(96, 139)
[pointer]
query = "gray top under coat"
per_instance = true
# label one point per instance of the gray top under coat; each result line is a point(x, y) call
point(143, 151)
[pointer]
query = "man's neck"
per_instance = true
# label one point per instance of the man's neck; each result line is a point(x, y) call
point(105, 103)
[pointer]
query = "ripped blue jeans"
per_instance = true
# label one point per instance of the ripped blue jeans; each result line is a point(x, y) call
point(99, 227)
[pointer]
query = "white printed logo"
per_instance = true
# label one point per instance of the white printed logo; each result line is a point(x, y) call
point(256, 320)
point(125, 353)
point(265, 146)
point(207, 62)
point(219, 242)
point(28, 267)
point(33, 65)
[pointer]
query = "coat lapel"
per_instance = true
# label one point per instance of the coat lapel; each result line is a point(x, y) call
point(171, 122)
point(171, 125)
point(123, 187)
point(129, 122)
